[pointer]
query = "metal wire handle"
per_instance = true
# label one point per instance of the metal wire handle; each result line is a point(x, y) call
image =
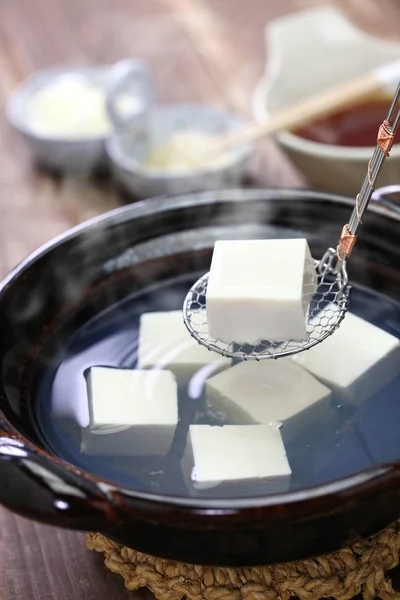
point(384, 143)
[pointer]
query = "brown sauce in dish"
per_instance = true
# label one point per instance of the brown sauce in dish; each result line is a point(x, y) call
point(356, 126)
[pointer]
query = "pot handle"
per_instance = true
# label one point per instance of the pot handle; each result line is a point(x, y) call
point(388, 196)
point(40, 488)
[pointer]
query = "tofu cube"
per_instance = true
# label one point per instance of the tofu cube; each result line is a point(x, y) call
point(132, 412)
point(236, 453)
point(260, 290)
point(268, 391)
point(356, 361)
point(164, 342)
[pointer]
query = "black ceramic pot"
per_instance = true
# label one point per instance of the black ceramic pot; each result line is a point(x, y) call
point(87, 269)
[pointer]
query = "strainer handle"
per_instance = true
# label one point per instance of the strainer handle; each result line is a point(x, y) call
point(384, 143)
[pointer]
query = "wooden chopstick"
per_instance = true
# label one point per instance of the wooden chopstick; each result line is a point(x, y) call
point(319, 105)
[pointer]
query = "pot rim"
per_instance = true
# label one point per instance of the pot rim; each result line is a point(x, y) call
point(336, 491)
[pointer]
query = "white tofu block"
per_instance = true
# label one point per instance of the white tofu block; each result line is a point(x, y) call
point(132, 412)
point(260, 290)
point(236, 453)
point(357, 360)
point(164, 342)
point(268, 391)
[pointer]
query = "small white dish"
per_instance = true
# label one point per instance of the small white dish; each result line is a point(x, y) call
point(307, 52)
point(129, 147)
point(79, 154)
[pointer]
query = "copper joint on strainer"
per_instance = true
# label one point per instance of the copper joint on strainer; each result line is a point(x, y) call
point(346, 243)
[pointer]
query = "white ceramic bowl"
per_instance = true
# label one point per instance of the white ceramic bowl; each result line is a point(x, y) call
point(308, 52)
point(129, 147)
point(60, 153)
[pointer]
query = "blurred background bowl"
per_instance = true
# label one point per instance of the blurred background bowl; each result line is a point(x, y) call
point(69, 153)
point(129, 148)
point(308, 52)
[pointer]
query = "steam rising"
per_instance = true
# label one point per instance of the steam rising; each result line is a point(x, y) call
point(62, 278)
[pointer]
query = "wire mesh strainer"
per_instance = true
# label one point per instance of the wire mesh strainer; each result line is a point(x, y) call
point(329, 304)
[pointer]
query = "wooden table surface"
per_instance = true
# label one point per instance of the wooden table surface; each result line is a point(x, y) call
point(198, 50)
